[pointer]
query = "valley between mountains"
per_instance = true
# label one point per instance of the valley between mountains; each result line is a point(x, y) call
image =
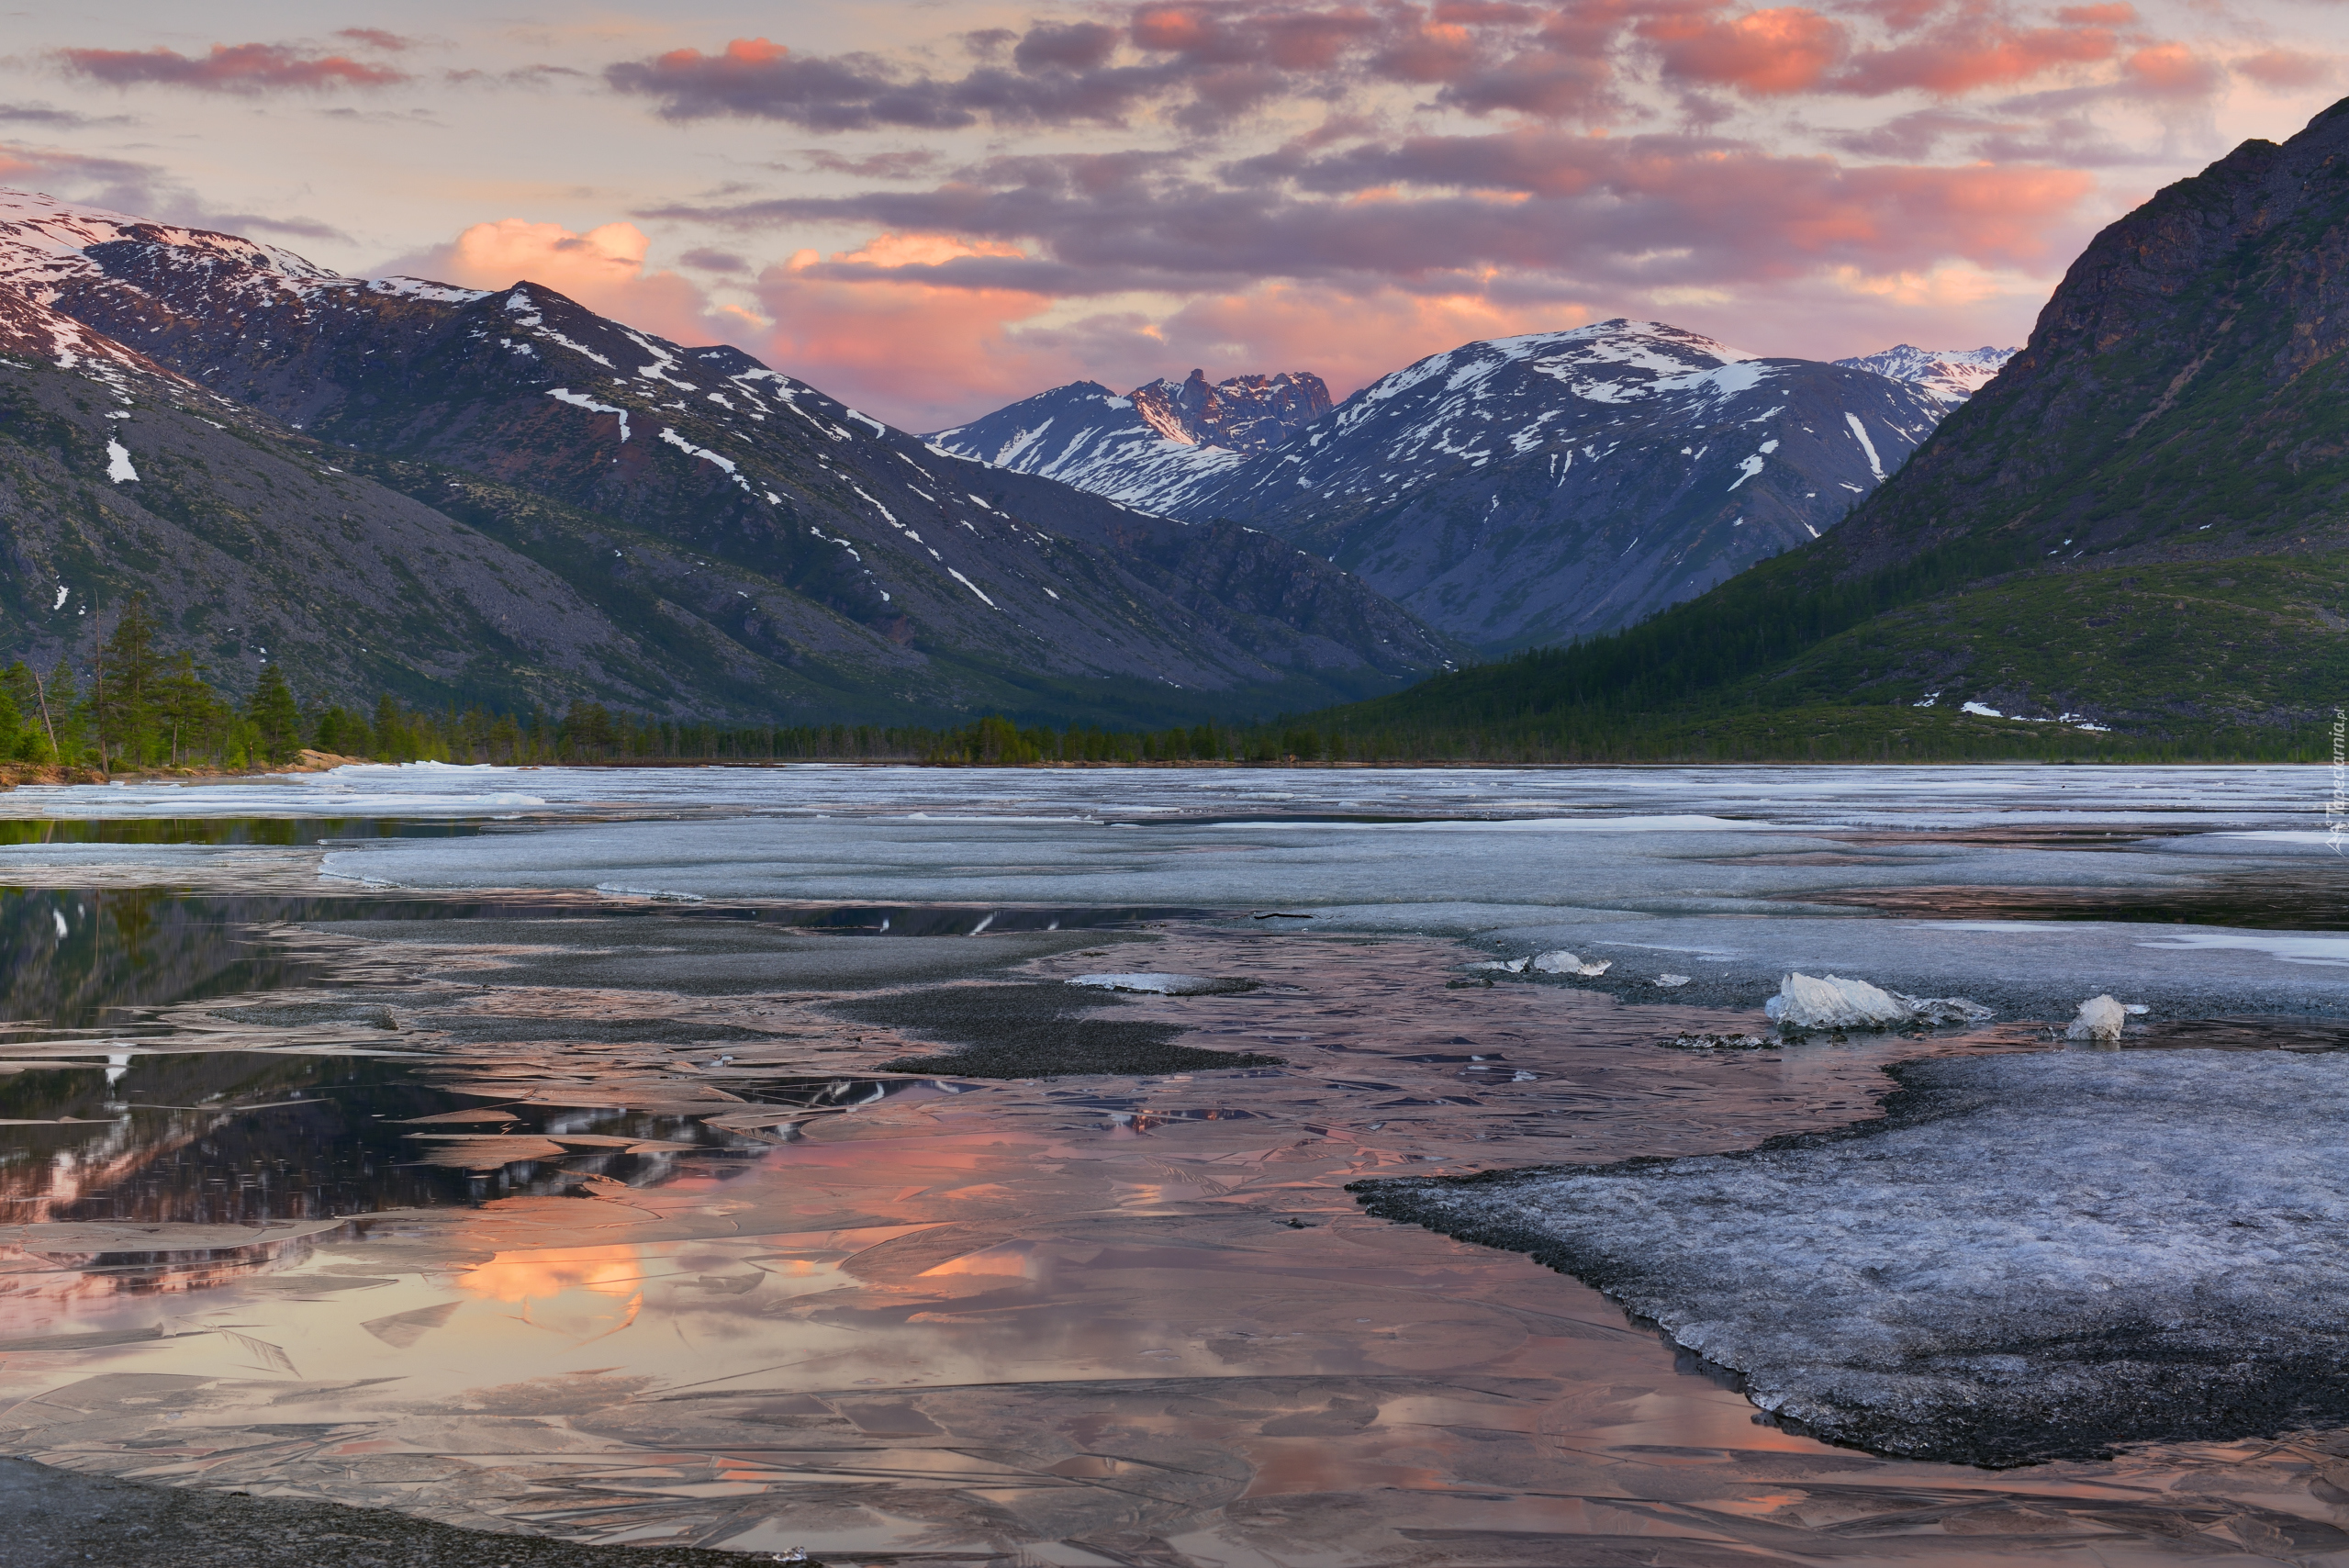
point(503, 497)
point(2130, 527)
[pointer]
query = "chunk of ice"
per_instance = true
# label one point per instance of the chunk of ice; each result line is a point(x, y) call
point(1937, 1009)
point(2100, 1019)
point(1807, 1004)
point(1562, 962)
point(1671, 981)
point(1165, 984)
point(1721, 1042)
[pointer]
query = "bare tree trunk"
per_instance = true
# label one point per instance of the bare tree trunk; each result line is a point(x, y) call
point(41, 688)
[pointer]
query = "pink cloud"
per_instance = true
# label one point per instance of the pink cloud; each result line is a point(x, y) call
point(2172, 70)
point(376, 38)
point(919, 355)
point(2284, 70)
point(1978, 45)
point(229, 68)
point(1788, 49)
point(603, 269)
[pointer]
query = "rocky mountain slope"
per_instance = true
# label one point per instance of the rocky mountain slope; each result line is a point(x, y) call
point(1535, 490)
point(117, 475)
point(789, 553)
point(1948, 376)
point(2141, 523)
point(1161, 447)
point(1247, 413)
point(1520, 491)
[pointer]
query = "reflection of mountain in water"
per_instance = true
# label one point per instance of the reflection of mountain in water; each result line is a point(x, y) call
point(282, 832)
point(242, 1138)
point(70, 957)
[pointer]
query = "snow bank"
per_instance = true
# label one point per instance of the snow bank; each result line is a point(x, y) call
point(1807, 1004)
point(2033, 1256)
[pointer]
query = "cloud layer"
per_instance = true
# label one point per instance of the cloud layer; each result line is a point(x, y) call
point(231, 68)
point(930, 222)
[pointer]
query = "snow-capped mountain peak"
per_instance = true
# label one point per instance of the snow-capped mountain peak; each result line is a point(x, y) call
point(1159, 447)
point(1519, 489)
point(44, 244)
point(1948, 375)
point(1246, 413)
point(1608, 362)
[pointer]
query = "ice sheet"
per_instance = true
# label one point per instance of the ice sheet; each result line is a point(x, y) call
point(2237, 800)
point(2034, 1256)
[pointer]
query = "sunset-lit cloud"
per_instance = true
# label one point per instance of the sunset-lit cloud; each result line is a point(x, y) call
point(232, 68)
point(2286, 70)
point(603, 269)
point(1787, 49)
point(931, 212)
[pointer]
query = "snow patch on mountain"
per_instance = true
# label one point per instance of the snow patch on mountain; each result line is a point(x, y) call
point(1950, 375)
point(1084, 434)
point(580, 400)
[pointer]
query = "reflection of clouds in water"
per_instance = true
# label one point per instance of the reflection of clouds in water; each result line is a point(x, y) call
point(511, 1277)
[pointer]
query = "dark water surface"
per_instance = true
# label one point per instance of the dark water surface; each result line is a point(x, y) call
point(259, 1138)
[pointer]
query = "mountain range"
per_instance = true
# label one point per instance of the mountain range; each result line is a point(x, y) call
point(1947, 378)
point(503, 497)
point(2141, 525)
point(1526, 491)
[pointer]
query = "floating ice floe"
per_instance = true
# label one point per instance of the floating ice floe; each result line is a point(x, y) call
point(1165, 984)
point(1560, 962)
point(2032, 1256)
point(1808, 1005)
point(2100, 1019)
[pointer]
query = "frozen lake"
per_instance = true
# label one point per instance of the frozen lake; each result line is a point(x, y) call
point(722, 1158)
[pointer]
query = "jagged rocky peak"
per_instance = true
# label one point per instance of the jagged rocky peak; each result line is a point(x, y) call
point(1246, 413)
point(1948, 375)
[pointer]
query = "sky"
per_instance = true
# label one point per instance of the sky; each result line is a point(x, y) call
point(933, 208)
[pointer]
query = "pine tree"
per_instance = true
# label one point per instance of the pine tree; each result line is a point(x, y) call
point(392, 744)
point(123, 702)
point(276, 719)
point(24, 688)
point(185, 708)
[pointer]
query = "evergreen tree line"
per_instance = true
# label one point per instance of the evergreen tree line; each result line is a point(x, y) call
point(132, 707)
